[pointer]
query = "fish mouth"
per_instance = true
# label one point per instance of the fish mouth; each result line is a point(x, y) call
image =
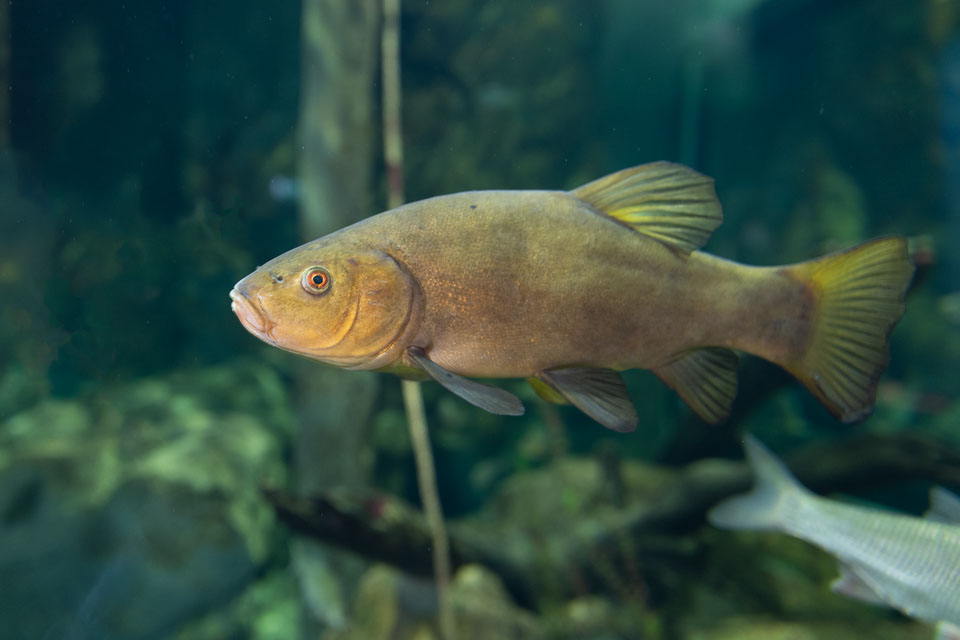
point(251, 319)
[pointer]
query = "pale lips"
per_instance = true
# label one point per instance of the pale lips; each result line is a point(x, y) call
point(249, 317)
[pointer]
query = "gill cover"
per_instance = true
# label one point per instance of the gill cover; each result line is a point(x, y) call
point(354, 317)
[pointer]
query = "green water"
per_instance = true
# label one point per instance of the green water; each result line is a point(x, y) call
point(153, 153)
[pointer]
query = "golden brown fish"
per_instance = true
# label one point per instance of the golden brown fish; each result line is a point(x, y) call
point(568, 288)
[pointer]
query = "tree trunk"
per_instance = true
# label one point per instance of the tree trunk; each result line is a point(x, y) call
point(338, 120)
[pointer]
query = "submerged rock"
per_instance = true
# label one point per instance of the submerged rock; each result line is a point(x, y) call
point(130, 510)
point(753, 629)
point(393, 606)
point(268, 610)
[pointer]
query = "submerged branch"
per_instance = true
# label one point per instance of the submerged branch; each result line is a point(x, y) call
point(386, 529)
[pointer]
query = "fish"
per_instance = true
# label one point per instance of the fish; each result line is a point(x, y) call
point(569, 288)
point(886, 558)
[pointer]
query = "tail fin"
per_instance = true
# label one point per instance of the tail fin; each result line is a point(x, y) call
point(860, 298)
point(775, 491)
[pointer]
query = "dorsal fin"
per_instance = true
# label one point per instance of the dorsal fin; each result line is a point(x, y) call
point(663, 200)
point(944, 506)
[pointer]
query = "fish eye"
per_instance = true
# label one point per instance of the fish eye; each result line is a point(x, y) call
point(315, 280)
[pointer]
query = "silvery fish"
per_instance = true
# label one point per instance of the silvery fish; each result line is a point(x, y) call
point(903, 562)
point(567, 289)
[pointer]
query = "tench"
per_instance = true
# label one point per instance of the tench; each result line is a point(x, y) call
point(567, 289)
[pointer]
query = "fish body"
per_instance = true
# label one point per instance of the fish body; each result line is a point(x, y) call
point(516, 282)
point(903, 562)
point(568, 288)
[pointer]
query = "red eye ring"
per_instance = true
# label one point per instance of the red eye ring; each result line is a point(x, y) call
point(315, 280)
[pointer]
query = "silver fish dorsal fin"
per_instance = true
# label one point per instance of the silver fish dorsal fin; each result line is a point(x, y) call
point(666, 201)
point(944, 506)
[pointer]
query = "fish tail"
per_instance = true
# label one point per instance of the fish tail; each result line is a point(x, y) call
point(858, 297)
point(775, 492)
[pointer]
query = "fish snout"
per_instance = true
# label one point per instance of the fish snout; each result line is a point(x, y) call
point(251, 319)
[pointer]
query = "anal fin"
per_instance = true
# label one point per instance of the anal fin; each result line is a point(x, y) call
point(850, 584)
point(706, 379)
point(599, 393)
point(480, 395)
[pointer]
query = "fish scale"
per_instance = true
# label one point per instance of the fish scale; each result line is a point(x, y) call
point(920, 558)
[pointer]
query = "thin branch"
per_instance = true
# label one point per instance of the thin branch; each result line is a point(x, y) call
point(412, 396)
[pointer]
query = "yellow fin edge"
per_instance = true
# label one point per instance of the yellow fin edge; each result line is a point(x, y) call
point(547, 392)
point(860, 297)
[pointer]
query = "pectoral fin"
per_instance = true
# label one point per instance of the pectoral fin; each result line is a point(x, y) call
point(706, 379)
point(599, 393)
point(478, 394)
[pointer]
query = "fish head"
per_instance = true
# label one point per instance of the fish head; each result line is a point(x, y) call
point(352, 307)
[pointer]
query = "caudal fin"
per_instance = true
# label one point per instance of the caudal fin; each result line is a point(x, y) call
point(859, 294)
point(775, 492)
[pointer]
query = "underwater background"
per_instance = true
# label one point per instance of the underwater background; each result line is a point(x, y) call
point(163, 474)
